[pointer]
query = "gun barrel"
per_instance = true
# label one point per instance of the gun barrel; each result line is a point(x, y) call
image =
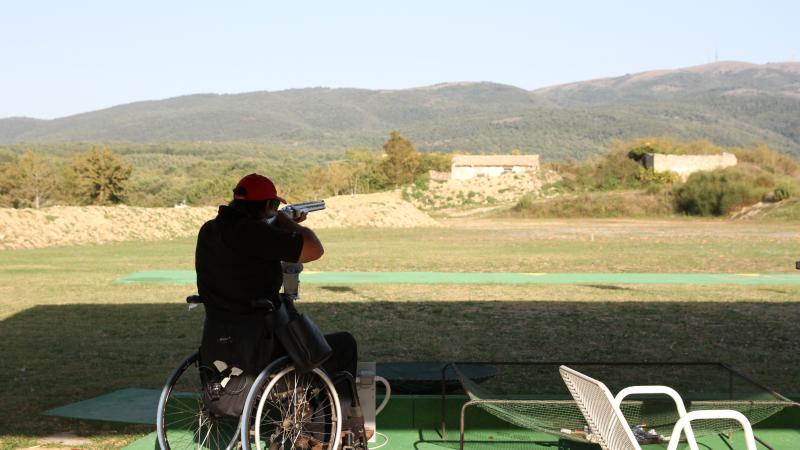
point(295, 210)
point(309, 206)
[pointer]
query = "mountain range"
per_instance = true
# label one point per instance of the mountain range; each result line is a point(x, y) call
point(729, 103)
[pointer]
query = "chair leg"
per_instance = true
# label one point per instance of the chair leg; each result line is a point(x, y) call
point(443, 433)
point(712, 414)
point(463, 416)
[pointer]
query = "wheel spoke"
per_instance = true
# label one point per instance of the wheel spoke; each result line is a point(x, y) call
point(184, 423)
point(296, 411)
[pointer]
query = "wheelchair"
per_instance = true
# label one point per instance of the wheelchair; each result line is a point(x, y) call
point(284, 409)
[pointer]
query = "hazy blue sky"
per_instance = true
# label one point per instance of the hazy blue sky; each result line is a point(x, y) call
point(65, 57)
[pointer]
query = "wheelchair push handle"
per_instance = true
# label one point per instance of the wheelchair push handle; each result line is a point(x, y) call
point(261, 303)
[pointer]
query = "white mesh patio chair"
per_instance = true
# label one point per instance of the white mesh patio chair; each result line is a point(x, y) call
point(609, 427)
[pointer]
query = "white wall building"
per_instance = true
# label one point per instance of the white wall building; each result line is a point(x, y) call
point(684, 165)
point(466, 167)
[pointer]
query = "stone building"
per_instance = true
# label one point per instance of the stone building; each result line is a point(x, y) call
point(684, 165)
point(466, 167)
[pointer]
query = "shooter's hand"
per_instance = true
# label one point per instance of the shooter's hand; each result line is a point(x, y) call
point(302, 217)
point(283, 221)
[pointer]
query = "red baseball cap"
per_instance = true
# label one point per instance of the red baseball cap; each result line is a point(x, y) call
point(256, 187)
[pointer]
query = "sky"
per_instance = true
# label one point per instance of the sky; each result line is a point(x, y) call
point(66, 57)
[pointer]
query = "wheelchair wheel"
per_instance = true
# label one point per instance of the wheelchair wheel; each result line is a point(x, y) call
point(182, 421)
point(289, 410)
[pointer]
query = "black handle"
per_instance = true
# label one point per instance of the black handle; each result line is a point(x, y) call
point(263, 304)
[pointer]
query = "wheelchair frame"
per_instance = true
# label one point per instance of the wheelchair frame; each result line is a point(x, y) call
point(253, 407)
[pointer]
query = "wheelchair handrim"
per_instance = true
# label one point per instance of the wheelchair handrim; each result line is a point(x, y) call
point(336, 416)
point(260, 380)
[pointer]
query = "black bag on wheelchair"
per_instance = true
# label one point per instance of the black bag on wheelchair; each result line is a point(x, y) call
point(227, 399)
point(305, 344)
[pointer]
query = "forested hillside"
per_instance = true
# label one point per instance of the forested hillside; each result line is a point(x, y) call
point(732, 104)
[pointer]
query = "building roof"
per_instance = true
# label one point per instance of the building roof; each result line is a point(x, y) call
point(496, 160)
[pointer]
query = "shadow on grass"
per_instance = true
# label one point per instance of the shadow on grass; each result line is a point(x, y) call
point(337, 288)
point(608, 287)
point(54, 355)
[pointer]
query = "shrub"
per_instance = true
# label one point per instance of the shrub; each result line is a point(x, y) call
point(637, 153)
point(718, 192)
point(770, 160)
point(653, 189)
point(525, 202)
point(781, 193)
point(786, 187)
point(553, 188)
point(649, 177)
point(596, 204)
point(611, 171)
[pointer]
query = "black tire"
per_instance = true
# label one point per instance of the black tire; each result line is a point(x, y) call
point(288, 410)
point(182, 421)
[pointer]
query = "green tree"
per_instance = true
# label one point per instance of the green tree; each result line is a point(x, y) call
point(440, 162)
point(26, 182)
point(338, 177)
point(212, 191)
point(366, 174)
point(402, 160)
point(98, 177)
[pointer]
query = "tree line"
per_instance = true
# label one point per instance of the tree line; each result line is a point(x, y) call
point(144, 177)
point(96, 177)
point(363, 170)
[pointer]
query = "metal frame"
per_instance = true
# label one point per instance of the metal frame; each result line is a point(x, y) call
point(489, 402)
point(682, 425)
point(732, 373)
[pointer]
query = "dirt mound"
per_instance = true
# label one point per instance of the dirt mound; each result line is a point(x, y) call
point(76, 225)
point(786, 209)
point(382, 210)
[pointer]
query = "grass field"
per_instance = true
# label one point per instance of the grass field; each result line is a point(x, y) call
point(68, 333)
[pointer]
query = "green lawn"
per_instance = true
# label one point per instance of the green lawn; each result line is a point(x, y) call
point(68, 333)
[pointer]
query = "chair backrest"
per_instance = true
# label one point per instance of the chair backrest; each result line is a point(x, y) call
point(608, 425)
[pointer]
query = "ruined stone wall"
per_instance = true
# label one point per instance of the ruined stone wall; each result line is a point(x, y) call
point(684, 165)
point(466, 167)
point(467, 173)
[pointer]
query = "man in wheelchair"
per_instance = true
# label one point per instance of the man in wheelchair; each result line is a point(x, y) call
point(239, 276)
